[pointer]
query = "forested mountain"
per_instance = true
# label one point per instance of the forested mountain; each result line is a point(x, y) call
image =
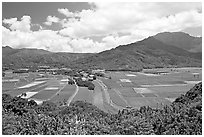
point(154, 51)
point(181, 40)
point(31, 57)
point(148, 53)
point(182, 117)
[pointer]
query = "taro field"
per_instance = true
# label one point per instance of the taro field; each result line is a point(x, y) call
point(38, 88)
point(151, 87)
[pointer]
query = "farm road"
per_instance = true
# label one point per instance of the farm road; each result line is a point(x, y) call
point(107, 96)
point(98, 97)
point(71, 98)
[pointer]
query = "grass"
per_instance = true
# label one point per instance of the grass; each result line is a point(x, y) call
point(68, 88)
point(128, 92)
point(98, 97)
point(45, 94)
point(6, 86)
point(127, 84)
point(39, 88)
point(149, 95)
point(110, 83)
point(84, 95)
point(64, 94)
point(171, 88)
point(147, 101)
point(170, 94)
point(109, 108)
point(62, 97)
point(16, 92)
point(116, 99)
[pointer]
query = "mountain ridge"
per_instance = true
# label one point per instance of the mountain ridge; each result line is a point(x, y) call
point(147, 53)
point(181, 40)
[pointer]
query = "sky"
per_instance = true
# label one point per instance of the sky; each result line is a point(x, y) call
point(83, 27)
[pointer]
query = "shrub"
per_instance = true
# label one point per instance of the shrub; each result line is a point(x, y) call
point(91, 86)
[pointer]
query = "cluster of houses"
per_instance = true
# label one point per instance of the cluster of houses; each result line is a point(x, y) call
point(85, 75)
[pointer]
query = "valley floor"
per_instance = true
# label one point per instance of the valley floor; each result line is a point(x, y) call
point(151, 87)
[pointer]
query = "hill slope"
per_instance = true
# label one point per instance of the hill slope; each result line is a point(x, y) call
point(32, 57)
point(148, 53)
point(181, 40)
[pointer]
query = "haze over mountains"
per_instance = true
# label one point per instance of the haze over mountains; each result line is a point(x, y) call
point(162, 50)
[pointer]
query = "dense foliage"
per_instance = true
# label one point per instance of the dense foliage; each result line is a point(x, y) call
point(183, 116)
point(82, 83)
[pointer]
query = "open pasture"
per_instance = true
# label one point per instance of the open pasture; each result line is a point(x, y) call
point(110, 83)
point(16, 92)
point(84, 95)
point(6, 86)
point(147, 101)
point(64, 94)
point(116, 99)
point(175, 88)
point(127, 84)
point(169, 94)
point(45, 94)
point(149, 95)
point(128, 92)
point(62, 97)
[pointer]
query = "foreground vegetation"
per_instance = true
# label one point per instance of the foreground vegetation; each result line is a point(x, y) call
point(183, 116)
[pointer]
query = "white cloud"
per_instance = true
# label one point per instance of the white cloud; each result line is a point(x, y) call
point(116, 23)
point(50, 20)
point(128, 18)
point(66, 12)
point(23, 25)
point(86, 45)
point(10, 21)
point(43, 39)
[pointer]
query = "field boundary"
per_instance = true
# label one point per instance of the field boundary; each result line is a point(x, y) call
point(75, 93)
point(107, 96)
point(57, 92)
point(119, 94)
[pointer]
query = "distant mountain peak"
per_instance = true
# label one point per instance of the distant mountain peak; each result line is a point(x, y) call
point(8, 47)
point(181, 40)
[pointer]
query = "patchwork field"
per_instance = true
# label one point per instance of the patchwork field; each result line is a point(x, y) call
point(64, 94)
point(153, 87)
point(38, 88)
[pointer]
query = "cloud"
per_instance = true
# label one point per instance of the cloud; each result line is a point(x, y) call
point(23, 25)
point(128, 18)
point(50, 20)
point(49, 40)
point(43, 39)
point(115, 23)
point(10, 21)
point(66, 12)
